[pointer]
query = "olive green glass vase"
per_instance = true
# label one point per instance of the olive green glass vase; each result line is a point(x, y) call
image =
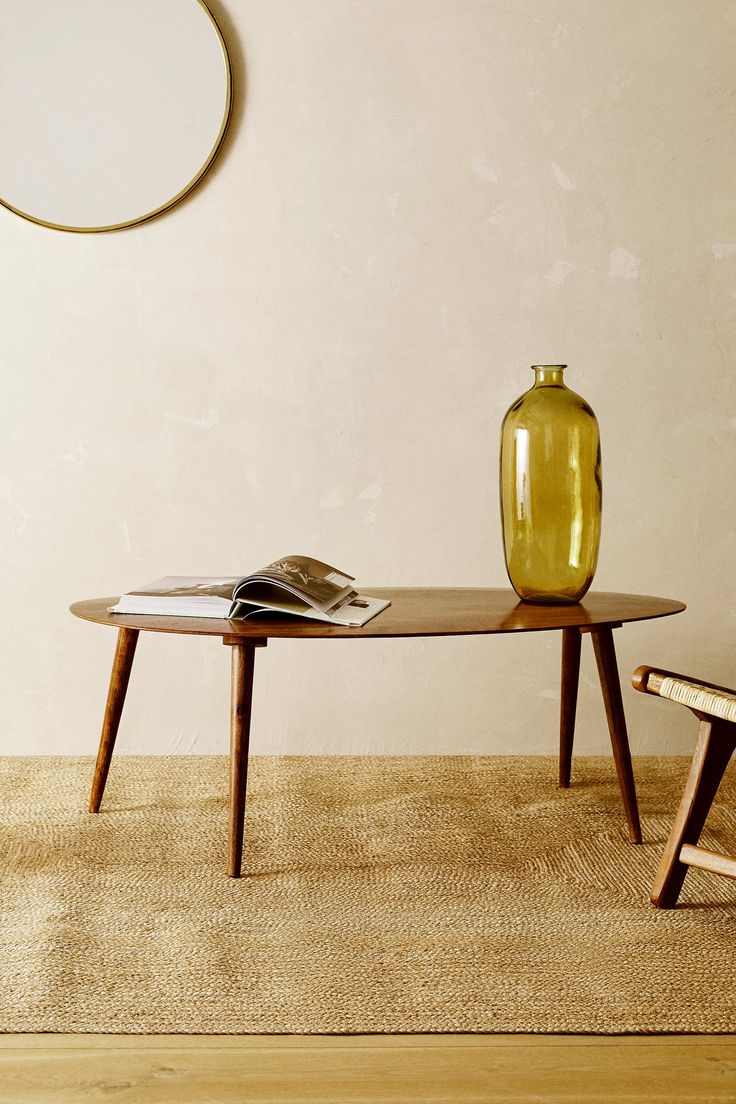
point(551, 491)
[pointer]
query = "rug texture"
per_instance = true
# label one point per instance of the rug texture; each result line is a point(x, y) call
point(452, 894)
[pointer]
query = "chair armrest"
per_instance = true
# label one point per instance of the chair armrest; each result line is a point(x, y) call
point(701, 697)
point(640, 680)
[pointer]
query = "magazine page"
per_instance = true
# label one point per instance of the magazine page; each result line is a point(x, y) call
point(353, 613)
point(190, 586)
point(319, 584)
point(180, 596)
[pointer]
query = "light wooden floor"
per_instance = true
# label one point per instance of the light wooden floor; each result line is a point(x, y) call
point(75, 1069)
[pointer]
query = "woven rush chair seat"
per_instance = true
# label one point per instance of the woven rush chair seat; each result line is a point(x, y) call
point(696, 695)
point(715, 708)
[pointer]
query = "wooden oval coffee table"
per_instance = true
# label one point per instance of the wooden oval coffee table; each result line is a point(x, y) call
point(413, 612)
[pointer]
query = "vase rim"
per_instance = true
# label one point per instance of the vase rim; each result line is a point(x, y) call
point(536, 366)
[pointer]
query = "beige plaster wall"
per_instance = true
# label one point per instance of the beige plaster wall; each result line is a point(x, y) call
point(418, 200)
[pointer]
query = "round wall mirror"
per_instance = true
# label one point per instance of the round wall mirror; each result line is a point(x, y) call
point(110, 110)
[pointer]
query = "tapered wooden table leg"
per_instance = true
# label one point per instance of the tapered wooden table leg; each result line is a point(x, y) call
point(243, 660)
point(605, 655)
point(121, 665)
point(571, 640)
point(715, 745)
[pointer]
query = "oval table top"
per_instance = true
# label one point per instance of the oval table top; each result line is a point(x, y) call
point(414, 611)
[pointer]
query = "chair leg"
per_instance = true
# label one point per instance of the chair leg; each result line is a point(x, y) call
point(119, 677)
point(715, 745)
point(243, 657)
point(571, 640)
point(605, 656)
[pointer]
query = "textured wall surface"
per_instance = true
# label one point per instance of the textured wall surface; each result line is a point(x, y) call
point(313, 353)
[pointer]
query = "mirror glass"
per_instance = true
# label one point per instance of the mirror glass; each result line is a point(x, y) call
point(110, 110)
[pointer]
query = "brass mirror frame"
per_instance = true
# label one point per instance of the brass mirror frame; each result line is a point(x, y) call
point(187, 187)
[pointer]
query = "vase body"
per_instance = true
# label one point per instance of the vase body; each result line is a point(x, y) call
point(551, 491)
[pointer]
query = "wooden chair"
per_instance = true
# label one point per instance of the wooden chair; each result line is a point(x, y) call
point(715, 708)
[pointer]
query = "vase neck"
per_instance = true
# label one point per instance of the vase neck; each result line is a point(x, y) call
point(548, 375)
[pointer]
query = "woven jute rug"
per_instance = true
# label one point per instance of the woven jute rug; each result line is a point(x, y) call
point(453, 894)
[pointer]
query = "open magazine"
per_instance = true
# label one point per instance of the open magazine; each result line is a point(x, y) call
point(297, 585)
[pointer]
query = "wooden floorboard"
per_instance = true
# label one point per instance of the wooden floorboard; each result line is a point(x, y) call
point(181, 1069)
